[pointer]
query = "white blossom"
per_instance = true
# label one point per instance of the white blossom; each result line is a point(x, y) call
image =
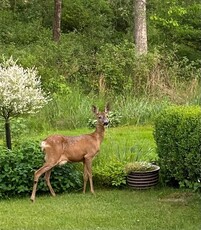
point(20, 90)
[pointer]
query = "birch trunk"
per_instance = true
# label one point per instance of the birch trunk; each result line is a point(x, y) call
point(140, 31)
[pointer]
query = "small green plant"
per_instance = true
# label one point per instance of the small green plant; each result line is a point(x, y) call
point(141, 166)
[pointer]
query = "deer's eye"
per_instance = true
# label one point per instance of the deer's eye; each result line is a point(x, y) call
point(99, 117)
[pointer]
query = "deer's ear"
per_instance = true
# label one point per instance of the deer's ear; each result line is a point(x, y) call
point(107, 108)
point(94, 109)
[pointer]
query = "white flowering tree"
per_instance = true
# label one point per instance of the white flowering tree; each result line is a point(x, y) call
point(20, 93)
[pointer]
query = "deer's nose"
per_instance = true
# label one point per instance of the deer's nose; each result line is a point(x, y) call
point(106, 123)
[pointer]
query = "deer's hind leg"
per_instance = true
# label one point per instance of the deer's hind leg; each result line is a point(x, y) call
point(46, 167)
point(47, 178)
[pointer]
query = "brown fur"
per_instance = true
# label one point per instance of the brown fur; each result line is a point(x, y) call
point(60, 149)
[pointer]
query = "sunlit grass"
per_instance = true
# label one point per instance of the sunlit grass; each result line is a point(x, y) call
point(108, 209)
point(129, 143)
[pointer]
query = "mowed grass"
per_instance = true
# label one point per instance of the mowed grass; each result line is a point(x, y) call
point(109, 209)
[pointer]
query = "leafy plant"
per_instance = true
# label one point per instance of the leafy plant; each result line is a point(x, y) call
point(110, 174)
point(140, 166)
point(18, 166)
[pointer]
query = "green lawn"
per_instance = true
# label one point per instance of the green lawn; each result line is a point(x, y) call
point(156, 209)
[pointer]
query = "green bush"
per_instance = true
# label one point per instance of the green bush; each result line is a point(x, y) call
point(178, 139)
point(17, 169)
point(110, 174)
point(20, 34)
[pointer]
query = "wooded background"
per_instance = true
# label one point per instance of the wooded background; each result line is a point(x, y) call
point(96, 44)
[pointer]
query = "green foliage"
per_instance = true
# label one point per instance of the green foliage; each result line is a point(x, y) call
point(18, 166)
point(114, 62)
point(138, 110)
point(110, 174)
point(93, 61)
point(139, 166)
point(178, 138)
point(68, 111)
point(20, 34)
point(100, 22)
point(176, 22)
point(183, 69)
point(79, 15)
point(19, 127)
point(96, 54)
point(121, 146)
point(4, 4)
point(123, 19)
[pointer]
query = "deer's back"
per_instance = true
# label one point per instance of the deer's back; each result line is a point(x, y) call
point(70, 148)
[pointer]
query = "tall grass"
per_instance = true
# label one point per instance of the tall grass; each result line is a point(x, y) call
point(64, 112)
point(74, 110)
point(129, 143)
point(137, 111)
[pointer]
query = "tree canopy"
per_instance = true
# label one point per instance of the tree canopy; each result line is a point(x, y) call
point(93, 32)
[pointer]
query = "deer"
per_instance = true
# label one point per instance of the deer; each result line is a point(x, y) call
point(60, 149)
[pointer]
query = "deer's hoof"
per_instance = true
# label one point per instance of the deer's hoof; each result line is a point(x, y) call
point(32, 199)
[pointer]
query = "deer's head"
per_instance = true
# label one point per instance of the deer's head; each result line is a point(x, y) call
point(102, 117)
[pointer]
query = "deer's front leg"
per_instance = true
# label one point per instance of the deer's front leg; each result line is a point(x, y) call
point(85, 177)
point(88, 163)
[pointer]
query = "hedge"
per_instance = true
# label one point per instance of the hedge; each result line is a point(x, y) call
point(17, 169)
point(177, 134)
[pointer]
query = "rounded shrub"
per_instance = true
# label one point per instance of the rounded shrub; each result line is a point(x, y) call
point(178, 138)
point(110, 174)
point(17, 169)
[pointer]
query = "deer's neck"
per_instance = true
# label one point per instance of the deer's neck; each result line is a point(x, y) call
point(99, 132)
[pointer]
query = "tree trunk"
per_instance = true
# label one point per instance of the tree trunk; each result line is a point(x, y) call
point(8, 134)
point(57, 20)
point(140, 32)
